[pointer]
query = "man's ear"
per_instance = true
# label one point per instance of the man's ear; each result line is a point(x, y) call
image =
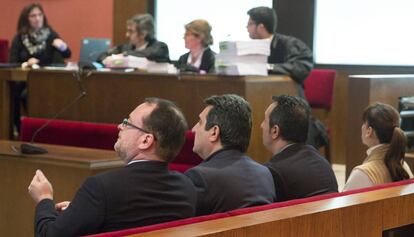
point(146, 141)
point(275, 132)
point(214, 133)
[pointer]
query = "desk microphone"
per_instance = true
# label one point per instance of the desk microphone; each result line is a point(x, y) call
point(30, 148)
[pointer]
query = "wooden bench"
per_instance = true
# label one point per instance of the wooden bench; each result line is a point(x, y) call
point(364, 212)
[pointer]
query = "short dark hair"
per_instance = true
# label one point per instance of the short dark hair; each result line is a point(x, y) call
point(232, 114)
point(23, 25)
point(168, 125)
point(266, 16)
point(144, 23)
point(291, 114)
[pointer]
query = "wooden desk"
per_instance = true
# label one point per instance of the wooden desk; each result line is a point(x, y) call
point(364, 90)
point(111, 96)
point(65, 167)
point(7, 76)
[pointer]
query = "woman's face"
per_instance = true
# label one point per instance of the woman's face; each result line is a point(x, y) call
point(192, 41)
point(36, 18)
point(366, 131)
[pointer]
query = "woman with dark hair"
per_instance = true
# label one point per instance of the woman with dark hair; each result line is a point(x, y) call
point(197, 39)
point(36, 43)
point(386, 142)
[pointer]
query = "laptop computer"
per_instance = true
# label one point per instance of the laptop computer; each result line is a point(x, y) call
point(91, 48)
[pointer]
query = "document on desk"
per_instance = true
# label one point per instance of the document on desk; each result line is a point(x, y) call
point(243, 57)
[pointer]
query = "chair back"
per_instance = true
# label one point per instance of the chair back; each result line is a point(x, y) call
point(4, 51)
point(319, 88)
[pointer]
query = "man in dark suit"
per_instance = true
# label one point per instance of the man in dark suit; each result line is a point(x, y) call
point(288, 55)
point(227, 179)
point(142, 42)
point(143, 192)
point(298, 169)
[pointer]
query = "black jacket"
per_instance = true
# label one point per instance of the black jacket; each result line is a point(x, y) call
point(290, 56)
point(51, 55)
point(139, 194)
point(229, 180)
point(299, 171)
point(155, 51)
point(207, 62)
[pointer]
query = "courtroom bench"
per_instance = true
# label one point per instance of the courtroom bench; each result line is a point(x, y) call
point(95, 135)
point(335, 214)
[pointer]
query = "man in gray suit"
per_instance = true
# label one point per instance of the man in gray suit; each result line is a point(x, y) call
point(227, 179)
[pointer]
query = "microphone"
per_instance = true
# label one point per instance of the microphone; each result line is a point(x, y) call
point(30, 148)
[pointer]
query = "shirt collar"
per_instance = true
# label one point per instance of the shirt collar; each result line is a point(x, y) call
point(369, 151)
point(136, 161)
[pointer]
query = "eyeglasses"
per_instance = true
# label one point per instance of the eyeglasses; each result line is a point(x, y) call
point(126, 123)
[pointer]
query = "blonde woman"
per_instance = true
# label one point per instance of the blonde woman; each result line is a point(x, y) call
point(197, 39)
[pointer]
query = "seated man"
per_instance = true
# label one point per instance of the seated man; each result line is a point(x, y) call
point(142, 43)
point(227, 179)
point(298, 169)
point(144, 192)
point(288, 55)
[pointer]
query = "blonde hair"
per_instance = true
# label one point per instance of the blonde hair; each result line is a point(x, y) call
point(202, 29)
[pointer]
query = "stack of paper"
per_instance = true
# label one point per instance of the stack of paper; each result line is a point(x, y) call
point(154, 67)
point(120, 61)
point(243, 57)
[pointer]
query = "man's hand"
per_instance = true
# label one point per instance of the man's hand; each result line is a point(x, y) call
point(61, 206)
point(40, 188)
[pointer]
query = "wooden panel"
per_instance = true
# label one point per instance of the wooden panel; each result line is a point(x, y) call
point(7, 76)
point(124, 10)
point(338, 112)
point(65, 167)
point(112, 96)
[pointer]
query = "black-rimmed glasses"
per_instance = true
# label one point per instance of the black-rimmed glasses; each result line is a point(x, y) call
point(126, 123)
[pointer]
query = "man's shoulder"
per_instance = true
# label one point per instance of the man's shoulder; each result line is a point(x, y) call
point(156, 43)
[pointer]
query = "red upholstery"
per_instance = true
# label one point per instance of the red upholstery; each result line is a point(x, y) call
point(70, 133)
point(316, 198)
point(319, 88)
point(187, 151)
point(95, 135)
point(245, 211)
point(4, 50)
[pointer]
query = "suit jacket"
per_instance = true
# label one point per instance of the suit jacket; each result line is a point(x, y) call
point(229, 180)
point(155, 51)
point(299, 171)
point(207, 62)
point(290, 56)
point(139, 194)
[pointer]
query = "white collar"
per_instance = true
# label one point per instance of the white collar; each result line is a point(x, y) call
point(369, 151)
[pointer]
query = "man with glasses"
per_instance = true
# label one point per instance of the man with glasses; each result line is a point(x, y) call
point(288, 55)
point(227, 179)
point(143, 192)
point(142, 42)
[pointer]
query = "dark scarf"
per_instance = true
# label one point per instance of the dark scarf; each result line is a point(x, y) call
point(35, 42)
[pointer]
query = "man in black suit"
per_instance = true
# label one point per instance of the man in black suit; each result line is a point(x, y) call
point(298, 169)
point(227, 179)
point(143, 192)
point(288, 55)
point(142, 42)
